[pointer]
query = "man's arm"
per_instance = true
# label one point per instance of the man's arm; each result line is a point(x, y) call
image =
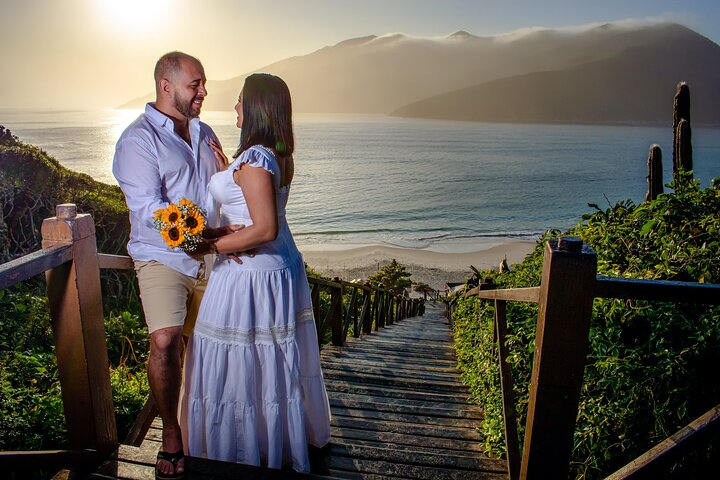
point(135, 167)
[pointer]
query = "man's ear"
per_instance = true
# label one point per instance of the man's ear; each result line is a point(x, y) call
point(165, 86)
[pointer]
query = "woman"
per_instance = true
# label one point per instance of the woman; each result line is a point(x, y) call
point(254, 391)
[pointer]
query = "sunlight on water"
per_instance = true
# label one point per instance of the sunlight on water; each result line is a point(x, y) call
point(444, 186)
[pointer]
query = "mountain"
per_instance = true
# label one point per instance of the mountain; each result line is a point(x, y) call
point(635, 85)
point(397, 73)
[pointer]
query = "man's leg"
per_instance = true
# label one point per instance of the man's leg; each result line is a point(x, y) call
point(164, 293)
point(164, 376)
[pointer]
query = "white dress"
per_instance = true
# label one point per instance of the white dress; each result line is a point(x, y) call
point(254, 391)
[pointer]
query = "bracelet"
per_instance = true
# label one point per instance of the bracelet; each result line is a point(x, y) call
point(213, 248)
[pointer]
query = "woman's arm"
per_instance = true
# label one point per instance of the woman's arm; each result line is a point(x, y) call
point(259, 192)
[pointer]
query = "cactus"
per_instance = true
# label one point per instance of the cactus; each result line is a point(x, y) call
point(655, 183)
point(682, 134)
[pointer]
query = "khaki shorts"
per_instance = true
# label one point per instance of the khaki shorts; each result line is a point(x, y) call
point(169, 298)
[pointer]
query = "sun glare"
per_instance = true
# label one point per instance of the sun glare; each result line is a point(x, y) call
point(134, 15)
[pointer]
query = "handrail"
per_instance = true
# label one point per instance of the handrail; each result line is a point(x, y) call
point(569, 285)
point(660, 290)
point(27, 266)
point(115, 262)
point(650, 463)
point(530, 294)
point(48, 458)
point(69, 259)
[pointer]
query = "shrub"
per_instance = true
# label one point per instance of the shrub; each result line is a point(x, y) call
point(651, 365)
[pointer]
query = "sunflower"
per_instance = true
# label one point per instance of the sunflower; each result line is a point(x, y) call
point(185, 203)
point(171, 214)
point(194, 222)
point(173, 236)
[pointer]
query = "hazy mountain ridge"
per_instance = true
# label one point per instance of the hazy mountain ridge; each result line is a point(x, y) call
point(634, 86)
point(407, 75)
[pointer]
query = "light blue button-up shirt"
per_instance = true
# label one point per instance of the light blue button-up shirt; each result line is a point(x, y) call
point(154, 167)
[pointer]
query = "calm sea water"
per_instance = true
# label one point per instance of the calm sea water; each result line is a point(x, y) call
point(440, 185)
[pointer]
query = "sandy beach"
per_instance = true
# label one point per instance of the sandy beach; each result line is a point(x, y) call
point(433, 268)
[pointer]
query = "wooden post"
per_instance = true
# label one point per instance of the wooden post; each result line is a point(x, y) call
point(336, 319)
point(376, 309)
point(512, 445)
point(682, 136)
point(380, 322)
point(655, 181)
point(565, 308)
point(366, 315)
point(391, 309)
point(76, 313)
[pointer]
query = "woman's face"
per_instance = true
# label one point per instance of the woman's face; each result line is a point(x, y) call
point(238, 109)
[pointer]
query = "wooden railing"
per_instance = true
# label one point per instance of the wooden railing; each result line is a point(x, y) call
point(71, 263)
point(568, 287)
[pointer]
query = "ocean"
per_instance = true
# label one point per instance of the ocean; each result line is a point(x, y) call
point(438, 185)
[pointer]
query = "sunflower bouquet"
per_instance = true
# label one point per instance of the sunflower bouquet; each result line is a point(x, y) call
point(181, 225)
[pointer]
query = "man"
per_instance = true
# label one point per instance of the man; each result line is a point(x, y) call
point(162, 157)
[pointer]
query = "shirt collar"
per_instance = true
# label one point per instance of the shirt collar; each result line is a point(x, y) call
point(163, 120)
point(157, 117)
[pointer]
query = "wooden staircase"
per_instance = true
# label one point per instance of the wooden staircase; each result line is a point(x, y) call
point(398, 411)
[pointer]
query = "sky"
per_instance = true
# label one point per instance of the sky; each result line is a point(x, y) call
point(90, 54)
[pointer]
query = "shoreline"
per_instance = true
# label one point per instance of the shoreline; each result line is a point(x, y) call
point(431, 267)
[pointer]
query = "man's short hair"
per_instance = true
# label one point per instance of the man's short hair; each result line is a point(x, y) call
point(169, 63)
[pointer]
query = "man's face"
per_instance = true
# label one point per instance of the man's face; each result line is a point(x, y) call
point(189, 88)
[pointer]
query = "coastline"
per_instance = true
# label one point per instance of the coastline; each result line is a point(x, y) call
point(431, 267)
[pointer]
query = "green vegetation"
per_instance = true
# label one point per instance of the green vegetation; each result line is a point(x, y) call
point(651, 366)
point(393, 277)
point(31, 414)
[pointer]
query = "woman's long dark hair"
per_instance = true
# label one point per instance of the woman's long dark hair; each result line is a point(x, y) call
point(267, 115)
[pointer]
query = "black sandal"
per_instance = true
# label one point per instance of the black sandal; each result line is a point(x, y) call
point(173, 458)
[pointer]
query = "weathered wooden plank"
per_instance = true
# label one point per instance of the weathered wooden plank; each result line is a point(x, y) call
point(396, 382)
point(322, 282)
point(375, 390)
point(76, 312)
point(512, 444)
point(429, 432)
point(655, 462)
point(142, 423)
point(458, 446)
point(409, 418)
point(28, 266)
point(529, 294)
point(566, 296)
point(659, 290)
point(395, 372)
point(138, 460)
point(410, 471)
point(336, 358)
point(428, 458)
point(417, 450)
point(14, 460)
point(116, 262)
point(407, 357)
point(401, 360)
point(405, 344)
point(345, 475)
point(408, 406)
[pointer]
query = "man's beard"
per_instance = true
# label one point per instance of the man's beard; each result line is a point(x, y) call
point(186, 108)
